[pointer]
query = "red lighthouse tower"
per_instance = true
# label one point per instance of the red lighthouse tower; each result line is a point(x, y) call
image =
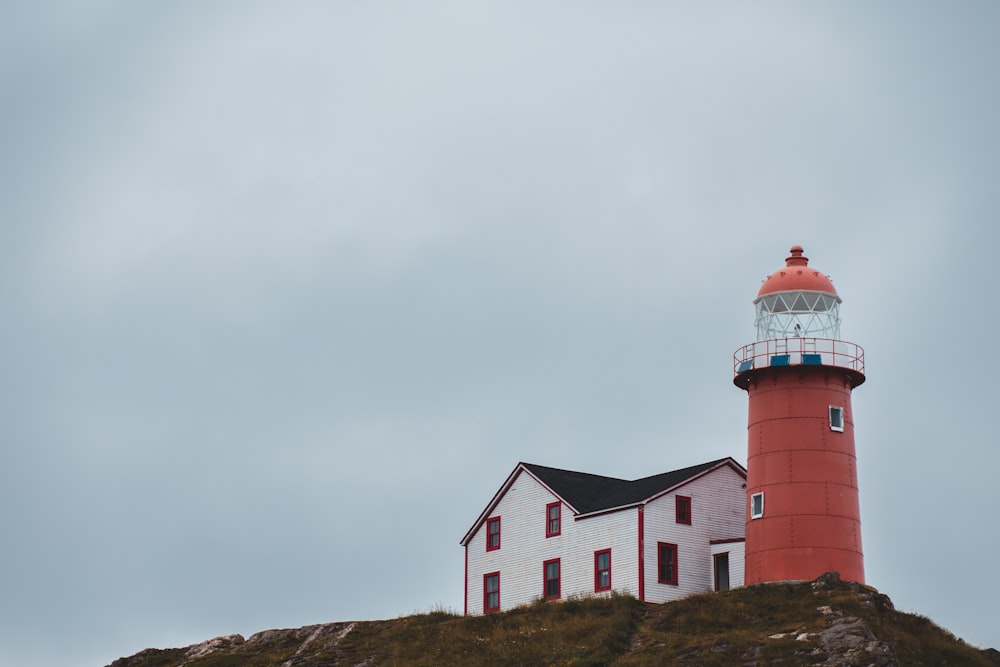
point(803, 516)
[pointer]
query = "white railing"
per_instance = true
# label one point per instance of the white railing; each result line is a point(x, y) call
point(799, 351)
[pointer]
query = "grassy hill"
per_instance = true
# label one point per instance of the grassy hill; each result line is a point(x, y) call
point(825, 622)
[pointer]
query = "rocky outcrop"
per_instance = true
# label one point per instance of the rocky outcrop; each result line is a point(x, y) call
point(848, 640)
point(299, 647)
point(226, 643)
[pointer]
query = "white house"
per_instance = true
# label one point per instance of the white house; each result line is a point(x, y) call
point(551, 533)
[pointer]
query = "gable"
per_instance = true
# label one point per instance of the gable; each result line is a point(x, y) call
point(499, 496)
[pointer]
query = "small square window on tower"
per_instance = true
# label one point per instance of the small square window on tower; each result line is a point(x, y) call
point(757, 505)
point(836, 418)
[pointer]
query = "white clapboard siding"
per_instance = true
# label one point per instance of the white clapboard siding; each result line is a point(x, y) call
point(737, 555)
point(717, 513)
point(737, 560)
point(618, 531)
point(524, 548)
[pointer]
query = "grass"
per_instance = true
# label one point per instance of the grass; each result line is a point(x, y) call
point(738, 626)
point(760, 625)
point(575, 632)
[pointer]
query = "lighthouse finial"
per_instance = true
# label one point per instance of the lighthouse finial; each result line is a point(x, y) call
point(796, 258)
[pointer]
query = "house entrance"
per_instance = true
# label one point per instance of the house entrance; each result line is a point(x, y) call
point(722, 572)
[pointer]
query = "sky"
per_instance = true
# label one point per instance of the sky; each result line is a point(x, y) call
point(288, 289)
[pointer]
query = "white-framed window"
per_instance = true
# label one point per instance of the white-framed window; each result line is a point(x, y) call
point(757, 505)
point(836, 418)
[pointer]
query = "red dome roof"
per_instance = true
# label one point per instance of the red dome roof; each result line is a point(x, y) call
point(796, 275)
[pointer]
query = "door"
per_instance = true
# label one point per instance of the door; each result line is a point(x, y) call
point(722, 572)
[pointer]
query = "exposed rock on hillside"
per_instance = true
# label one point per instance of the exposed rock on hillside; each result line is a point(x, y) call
point(301, 647)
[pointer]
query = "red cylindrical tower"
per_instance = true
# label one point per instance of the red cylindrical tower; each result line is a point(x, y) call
point(803, 516)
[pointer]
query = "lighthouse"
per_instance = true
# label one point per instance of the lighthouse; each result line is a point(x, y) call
point(803, 517)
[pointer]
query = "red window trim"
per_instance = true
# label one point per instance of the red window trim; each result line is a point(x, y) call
point(486, 595)
point(659, 563)
point(490, 522)
point(548, 522)
point(641, 556)
point(546, 580)
point(597, 571)
point(678, 501)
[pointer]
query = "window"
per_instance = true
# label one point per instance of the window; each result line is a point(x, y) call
point(757, 505)
point(553, 524)
point(602, 570)
point(491, 592)
point(683, 504)
point(836, 418)
point(551, 586)
point(493, 534)
point(666, 563)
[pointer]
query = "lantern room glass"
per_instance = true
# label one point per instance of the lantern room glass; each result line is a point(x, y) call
point(798, 314)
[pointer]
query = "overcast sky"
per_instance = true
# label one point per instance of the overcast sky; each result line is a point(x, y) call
point(288, 289)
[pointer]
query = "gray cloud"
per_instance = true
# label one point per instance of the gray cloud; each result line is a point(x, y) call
point(287, 294)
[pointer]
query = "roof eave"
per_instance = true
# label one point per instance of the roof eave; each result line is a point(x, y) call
point(608, 510)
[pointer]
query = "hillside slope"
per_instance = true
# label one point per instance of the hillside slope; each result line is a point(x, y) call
point(825, 622)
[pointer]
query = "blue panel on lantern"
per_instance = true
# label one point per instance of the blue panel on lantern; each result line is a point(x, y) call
point(812, 359)
point(779, 360)
point(745, 366)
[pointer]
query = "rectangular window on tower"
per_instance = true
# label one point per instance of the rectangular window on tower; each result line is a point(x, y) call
point(757, 505)
point(836, 418)
point(493, 534)
point(683, 510)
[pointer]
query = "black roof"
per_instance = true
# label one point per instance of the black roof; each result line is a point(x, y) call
point(593, 493)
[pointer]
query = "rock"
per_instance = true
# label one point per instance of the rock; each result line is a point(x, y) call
point(212, 645)
point(826, 580)
point(848, 641)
